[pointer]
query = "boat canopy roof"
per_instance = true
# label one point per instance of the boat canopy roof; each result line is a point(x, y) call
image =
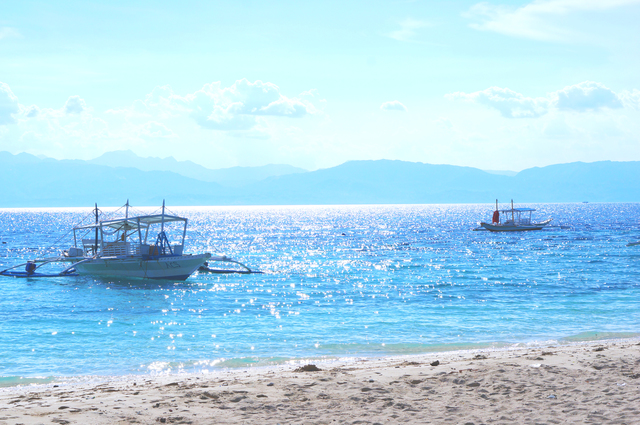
point(517, 210)
point(134, 222)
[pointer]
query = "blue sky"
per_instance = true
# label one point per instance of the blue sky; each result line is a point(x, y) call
point(499, 85)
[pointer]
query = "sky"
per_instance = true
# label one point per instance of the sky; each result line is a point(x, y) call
point(496, 85)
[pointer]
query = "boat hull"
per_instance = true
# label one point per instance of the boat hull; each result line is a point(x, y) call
point(511, 227)
point(169, 267)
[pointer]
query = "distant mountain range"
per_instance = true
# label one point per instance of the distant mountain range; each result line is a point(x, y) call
point(231, 177)
point(29, 181)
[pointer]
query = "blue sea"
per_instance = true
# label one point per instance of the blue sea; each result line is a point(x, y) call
point(338, 282)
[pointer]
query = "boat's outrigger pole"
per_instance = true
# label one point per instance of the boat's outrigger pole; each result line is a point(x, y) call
point(244, 270)
point(31, 267)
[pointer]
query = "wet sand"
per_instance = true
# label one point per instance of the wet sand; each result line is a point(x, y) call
point(590, 383)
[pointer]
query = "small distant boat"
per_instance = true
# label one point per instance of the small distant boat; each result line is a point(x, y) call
point(513, 220)
point(132, 247)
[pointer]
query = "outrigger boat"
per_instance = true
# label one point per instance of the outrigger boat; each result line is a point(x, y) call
point(516, 220)
point(120, 247)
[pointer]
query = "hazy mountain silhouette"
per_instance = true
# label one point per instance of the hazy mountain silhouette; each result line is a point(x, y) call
point(232, 177)
point(29, 181)
point(382, 181)
point(501, 172)
point(603, 181)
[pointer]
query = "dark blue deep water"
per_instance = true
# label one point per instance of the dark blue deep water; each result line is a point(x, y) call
point(339, 281)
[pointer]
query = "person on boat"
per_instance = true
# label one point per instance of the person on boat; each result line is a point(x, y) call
point(30, 267)
point(496, 217)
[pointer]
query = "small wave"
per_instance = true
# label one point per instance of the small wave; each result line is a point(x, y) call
point(14, 381)
point(598, 336)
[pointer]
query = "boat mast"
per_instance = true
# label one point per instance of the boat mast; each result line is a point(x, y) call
point(162, 238)
point(140, 234)
point(95, 244)
point(162, 222)
point(512, 216)
point(184, 232)
point(126, 222)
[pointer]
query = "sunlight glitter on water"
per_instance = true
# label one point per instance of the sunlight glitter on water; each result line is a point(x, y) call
point(339, 281)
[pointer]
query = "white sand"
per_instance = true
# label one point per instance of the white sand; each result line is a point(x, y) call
point(591, 383)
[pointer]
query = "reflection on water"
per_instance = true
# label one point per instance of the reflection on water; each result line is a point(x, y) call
point(339, 281)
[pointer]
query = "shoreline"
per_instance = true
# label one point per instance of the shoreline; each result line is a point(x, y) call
point(328, 361)
point(16, 382)
point(580, 382)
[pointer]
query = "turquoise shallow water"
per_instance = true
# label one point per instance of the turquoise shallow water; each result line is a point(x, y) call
point(339, 281)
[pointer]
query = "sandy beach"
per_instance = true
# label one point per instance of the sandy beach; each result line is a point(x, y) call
point(588, 383)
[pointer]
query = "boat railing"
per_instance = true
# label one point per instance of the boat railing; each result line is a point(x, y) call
point(118, 249)
point(155, 250)
point(112, 249)
point(121, 249)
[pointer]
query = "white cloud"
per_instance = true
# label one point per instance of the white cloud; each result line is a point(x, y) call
point(8, 105)
point(285, 107)
point(31, 111)
point(311, 94)
point(546, 20)
point(408, 30)
point(508, 102)
point(233, 108)
point(630, 98)
point(582, 97)
point(155, 130)
point(75, 105)
point(259, 113)
point(313, 100)
point(251, 98)
point(159, 95)
point(220, 118)
point(53, 133)
point(586, 96)
point(161, 102)
point(393, 105)
point(257, 98)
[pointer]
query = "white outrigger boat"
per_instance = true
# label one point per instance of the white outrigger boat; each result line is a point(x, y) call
point(121, 247)
point(517, 220)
